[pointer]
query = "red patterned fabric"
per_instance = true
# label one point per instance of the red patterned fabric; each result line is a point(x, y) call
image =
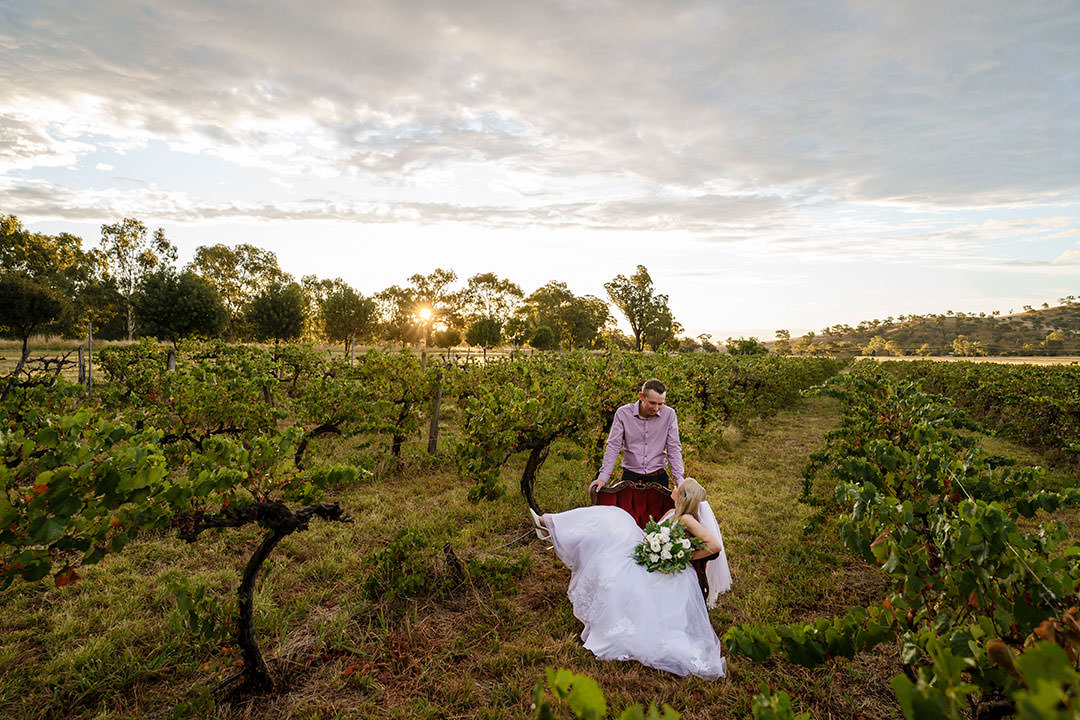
point(642, 504)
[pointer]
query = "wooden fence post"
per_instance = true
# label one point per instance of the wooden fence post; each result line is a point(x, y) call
point(436, 403)
point(90, 360)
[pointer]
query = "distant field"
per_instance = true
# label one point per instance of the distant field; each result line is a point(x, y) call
point(39, 346)
point(1004, 359)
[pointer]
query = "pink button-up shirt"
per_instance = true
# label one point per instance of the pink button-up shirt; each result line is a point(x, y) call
point(647, 443)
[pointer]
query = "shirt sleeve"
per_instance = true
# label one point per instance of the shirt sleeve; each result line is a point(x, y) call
point(674, 449)
point(614, 446)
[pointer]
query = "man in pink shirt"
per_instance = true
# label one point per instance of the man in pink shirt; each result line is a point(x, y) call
point(647, 433)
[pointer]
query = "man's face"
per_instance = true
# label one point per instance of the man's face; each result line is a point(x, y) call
point(651, 402)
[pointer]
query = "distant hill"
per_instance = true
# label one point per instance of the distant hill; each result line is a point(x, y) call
point(1046, 331)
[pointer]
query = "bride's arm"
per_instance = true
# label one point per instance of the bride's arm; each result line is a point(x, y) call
point(712, 543)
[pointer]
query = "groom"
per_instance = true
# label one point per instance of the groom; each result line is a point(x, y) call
point(647, 433)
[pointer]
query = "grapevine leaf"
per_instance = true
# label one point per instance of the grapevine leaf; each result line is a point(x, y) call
point(46, 530)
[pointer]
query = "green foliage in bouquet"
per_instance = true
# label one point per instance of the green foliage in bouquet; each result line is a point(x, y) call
point(666, 547)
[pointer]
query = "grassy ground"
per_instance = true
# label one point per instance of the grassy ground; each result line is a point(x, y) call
point(453, 645)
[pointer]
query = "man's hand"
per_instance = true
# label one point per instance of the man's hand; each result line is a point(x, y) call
point(595, 485)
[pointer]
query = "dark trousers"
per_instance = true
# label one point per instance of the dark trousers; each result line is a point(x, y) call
point(659, 477)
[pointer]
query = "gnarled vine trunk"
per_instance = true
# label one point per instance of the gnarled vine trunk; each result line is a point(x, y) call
point(537, 456)
point(281, 521)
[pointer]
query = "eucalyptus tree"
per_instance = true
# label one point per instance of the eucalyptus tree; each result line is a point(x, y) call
point(129, 253)
point(647, 311)
point(395, 309)
point(782, 346)
point(25, 306)
point(238, 273)
point(543, 338)
point(433, 292)
point(316, 290)
point(347, 315)
point(574, 321)
point(56, 262)
point(277, 313)
point(486, 295)
point(172, 306)
point(661, 328)
point(485, 332)
point(746, 346)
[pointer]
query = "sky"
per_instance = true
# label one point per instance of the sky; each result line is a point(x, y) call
point(773, 164)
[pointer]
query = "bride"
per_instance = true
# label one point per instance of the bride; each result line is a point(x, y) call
point(655, 618)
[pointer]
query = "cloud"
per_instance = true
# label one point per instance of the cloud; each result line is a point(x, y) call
point(834, 132)
point(955, 104)
point(1068, 256)
point(1060, 266)
point(44, 199)
point(24, 145)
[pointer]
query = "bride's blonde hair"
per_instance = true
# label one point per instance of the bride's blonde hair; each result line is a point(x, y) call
point(691, 496)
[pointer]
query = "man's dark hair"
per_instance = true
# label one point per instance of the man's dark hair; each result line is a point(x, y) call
point(655, 385)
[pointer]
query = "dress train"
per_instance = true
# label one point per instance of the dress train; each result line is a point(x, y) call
point(629, 613)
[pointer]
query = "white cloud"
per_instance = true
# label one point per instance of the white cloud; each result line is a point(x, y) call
point(938, 106)
point(763, 132)
point(1068, 256)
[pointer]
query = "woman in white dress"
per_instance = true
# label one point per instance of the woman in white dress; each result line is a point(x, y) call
point(658, 619)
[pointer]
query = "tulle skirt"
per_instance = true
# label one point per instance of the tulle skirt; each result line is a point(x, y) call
point(657, 619)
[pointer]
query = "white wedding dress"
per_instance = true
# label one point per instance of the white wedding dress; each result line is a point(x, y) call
point(657, 619)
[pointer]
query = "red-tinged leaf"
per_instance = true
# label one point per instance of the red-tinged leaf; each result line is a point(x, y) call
point(350, 669)
point(41, 488)
point(66, 578)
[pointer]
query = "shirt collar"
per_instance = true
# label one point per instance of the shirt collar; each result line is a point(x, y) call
point(637, 411)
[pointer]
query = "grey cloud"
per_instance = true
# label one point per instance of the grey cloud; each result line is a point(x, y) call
point(955, 104)
point(44, 199)
point(22, 145)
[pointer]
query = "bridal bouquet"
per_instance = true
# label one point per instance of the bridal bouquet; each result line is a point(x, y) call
point(666, 547)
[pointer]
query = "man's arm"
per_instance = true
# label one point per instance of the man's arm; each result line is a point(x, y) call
point(611, 453)
point(674, 450)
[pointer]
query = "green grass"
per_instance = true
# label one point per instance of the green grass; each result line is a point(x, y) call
point(113, 645)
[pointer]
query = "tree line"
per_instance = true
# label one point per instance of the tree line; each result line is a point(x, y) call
point(131, 286)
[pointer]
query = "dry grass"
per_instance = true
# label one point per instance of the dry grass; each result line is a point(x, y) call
point(1003, 359)
point(109, 646)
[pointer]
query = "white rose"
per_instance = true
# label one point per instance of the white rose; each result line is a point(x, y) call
point(667, 547)
point(653, 557)
point(665, 555)
point(665, 531)
point(655, 545)
point(685, 543)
